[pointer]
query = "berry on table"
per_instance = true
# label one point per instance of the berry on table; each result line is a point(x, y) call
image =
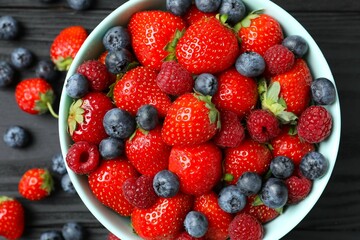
point(46, 69)
point(51, 235)
point(234, 9)
point(249, 183)
point(196, 224)
point(21, 58)
point(139, 191)
point(111, 148)
point(11, 218)
point(282, 167)
point(7, 74)
point(208, 5)
point(231, 199)
point(9, 28)
point(16, 137)
point(166, 184)
point(147, 117)
point(274, 193)
point(83, 157)
point(116, 38)
point(314, 165)
point(117, 60)
point(119, 123)
point(245, 226)
point(278, 59)
point(262, 125)
point(178, 7)
point(36, 184)
point(80, 5)
point(58, 164)
point(67, 185)
point(206, 84)
point(250, 64)
point(323, 91)
point(73, 231)
point(77, 86)
point(296, 44)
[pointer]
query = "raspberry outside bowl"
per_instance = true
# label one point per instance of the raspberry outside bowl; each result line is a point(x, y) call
point(93, 47)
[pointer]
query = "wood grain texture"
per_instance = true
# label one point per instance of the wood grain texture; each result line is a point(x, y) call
point(335, 26)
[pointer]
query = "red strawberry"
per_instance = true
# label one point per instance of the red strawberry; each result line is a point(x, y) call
point(103, 57)
point(11, 218)
point(191, 119)
point(218, 219)
point(106, 184)
point(185, 236)
point(245, 226)
point(66, 45)
point(261, 212)
point(139, 191)
point(258, 32)
point(36, 184)
point(138, 87)
point(236, 93)
point(194, 14)
point(86, 116)
point(35, 96)
point(148, 152)
point(250, 156)
point(278, 59)
point(198, 167)
point(164, 220)
point(207, 46)
point(150, 32)
point(298, 186)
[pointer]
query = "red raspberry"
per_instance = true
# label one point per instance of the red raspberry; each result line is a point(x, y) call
point(83, 157)
point(111, 236)
point(262, 125)
point(232, 133)
point(139, 191)
point(173, 79)
point(278, 59)
point(245, 226)
point(97, 74)
point(299, 188)
point(314, 124)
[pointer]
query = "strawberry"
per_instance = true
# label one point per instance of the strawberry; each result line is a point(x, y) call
point(106, 184)
point(185, 236)
point(207, 46)
point(218, 219)
point(35, 96)
point(11, 218)
point(85, 120)
point(245, 226)
point(191, 119)
point(250, 156)
point(261, 212)
point(150, 32)
point(36, 184)
point(194, 14)
point(298, 186)
point(198, 167)
point(66, 45)
point(164, 220)
point(138, 87)
point(102, 57)
point(147, 151)
point(236, 93)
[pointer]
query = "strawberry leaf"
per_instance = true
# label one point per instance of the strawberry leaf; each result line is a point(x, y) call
point(170, 47)
point(75, 115)
point(41, 105)
point(47, 182)
point(4, 199)
point(214, 114)
point(257, 201)
point(228, 177)
point(63, 64)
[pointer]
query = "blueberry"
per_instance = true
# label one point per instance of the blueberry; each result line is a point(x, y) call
point(323, 91)
point(196, 224)
point(73, 231)
point(234, 9)
point(231, 199)
point(111, 148)
point(314, 165)
point(21, 58)
point(208, 5)
point(147, 117)
point(16, 137)
point(282, 167)
point(119, 123)
point(274, 193)
point(46, 69)
point(9, 28)
point(51, 235)
point(250, 64)
point(7, 74)
point(166, 184)
point(296, 44)
point(58, 164)
point(79, 4)
point(116, 38)
point(249, 183)
point(206, 84)
point(178, 7)
point(67, 185)
point(116, 61)
point(77, 86)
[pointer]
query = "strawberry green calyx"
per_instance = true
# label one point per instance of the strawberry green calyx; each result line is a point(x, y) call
point(119, 76)
point(63, 64)
point(247, 20)
point(170, 47)
point(228, 177)
point(214, 114)
point(257, 202)
point(45, 102)
point(5, 199)
point(48, 182)
point(75, 115)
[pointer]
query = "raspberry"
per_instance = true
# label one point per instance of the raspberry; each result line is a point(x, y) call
point(262, 125)
point(299, 188)
point(97, 74)
point(111, 236)
point(83, 157)
point(278, 59)
point(173, 79)
point(139, 191)
point(314, 124)
point(245, 226)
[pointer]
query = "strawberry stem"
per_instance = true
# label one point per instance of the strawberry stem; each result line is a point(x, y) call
point(51, 110)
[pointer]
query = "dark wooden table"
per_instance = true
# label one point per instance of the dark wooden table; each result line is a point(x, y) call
point(335, 26)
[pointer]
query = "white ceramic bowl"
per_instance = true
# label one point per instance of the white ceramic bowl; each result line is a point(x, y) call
point(92, 48)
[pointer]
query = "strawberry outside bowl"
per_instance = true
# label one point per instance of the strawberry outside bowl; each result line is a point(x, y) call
point(92, 48)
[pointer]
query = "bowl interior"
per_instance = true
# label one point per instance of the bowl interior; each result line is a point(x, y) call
point(92, 48)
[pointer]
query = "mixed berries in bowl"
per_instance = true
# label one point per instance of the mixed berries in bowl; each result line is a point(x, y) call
point(183, 120)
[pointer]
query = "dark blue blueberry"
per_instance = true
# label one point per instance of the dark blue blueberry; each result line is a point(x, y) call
point(46, 69)
point(116, 61)
point(117, 38)
point(208, 5)
point(7, 74)
point(73, 231)
point(250, 64)
point(206, 84)
point(21, 58)
point(234, 9)
point(119, 123)
point(58, 164)
point(9, 28)
point(249, 183)
point(314, 165)
point(51, 235)
point(178, 7)
point(296, 44)
point(231, 199)
point(323, 91)
point(111, 148)
point(147, 117)
point(77, 86)
point(282, 167)
point(274, 193)
point(196, 224)
point(67, 185)
point(166, 184)
point(80, 4)
point(16, 137)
